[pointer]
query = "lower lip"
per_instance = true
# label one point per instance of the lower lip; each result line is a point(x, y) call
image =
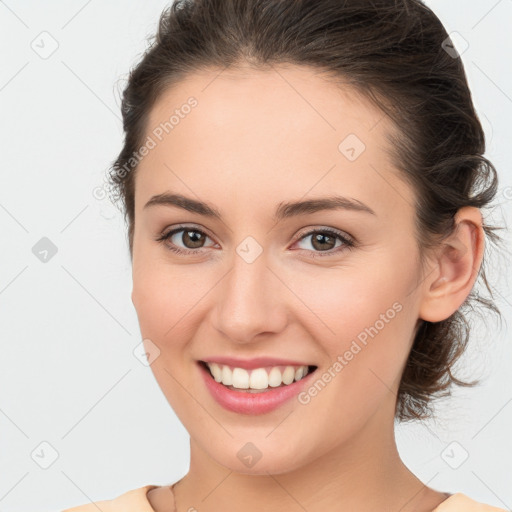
point(251, 403)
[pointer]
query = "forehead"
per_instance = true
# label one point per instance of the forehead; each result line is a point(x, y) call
point(259, 134)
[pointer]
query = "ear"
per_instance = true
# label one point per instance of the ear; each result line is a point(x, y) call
point(454, 268)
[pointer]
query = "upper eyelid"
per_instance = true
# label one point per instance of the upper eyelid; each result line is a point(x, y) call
point(178, 228)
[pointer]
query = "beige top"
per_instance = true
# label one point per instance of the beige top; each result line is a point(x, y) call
point(137, 501)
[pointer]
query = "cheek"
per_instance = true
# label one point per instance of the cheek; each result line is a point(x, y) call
point(364, 320)
point(165, 306)
point(342, 304)
point(164, 295)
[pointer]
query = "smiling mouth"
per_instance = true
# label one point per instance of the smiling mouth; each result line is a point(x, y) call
point(256, 380)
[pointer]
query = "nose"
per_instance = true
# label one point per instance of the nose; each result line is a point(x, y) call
point(250, 302)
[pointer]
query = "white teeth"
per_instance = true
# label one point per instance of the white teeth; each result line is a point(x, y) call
point(216, 372)
point(288, 375)
point(258, 378)
point(240, 378)
point(274, 377)
point(226, 376)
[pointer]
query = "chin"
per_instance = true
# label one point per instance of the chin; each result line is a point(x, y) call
point(249, 460)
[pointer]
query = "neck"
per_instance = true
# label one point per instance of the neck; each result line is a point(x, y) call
point(364, 473)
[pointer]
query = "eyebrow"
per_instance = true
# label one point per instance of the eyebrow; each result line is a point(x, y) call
point(284, 210)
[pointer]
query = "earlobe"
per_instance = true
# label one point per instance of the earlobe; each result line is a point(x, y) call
point(458, 260)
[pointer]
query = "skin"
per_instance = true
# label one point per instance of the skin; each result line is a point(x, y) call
point(256, 139)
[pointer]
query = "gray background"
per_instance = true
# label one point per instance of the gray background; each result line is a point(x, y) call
point(68, 374)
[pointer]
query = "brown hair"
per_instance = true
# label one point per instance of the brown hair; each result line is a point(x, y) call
point(395, 53)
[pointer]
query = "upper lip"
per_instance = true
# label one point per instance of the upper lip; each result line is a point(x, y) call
point(256, 362)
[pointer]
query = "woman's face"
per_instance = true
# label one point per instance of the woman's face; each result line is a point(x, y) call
point(270, 280)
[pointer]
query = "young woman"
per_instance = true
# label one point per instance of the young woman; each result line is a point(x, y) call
point(303, 183)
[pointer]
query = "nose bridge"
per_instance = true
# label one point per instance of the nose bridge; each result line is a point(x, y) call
point(248, 300)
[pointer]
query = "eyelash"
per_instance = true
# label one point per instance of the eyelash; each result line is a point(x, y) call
point(348, 243)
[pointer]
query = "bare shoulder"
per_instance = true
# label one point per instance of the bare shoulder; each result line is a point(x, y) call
point(161, 499)
point(460, 501)
point(135, 500)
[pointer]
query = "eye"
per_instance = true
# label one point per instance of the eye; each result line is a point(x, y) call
point(323, 241)
point(191, 236)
